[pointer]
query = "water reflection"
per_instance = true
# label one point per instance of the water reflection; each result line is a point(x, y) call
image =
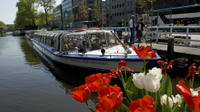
point(2, 44)
point(31, 84)
point(31, 58)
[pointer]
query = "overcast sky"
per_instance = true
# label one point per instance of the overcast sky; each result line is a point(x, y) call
point(8, 10)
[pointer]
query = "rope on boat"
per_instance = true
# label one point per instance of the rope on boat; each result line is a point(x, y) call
point(123, 45)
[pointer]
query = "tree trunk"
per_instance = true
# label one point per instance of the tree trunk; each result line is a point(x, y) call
point(46, 18)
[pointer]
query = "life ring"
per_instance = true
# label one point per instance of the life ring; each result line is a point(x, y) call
point(94, 29)
point(80, 30)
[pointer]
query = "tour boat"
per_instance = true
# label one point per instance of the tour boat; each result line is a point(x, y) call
point(89, 48)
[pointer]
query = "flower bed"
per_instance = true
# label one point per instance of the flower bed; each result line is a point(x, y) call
point(147, 91)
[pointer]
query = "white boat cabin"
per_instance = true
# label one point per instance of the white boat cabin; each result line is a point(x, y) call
point(89, 42)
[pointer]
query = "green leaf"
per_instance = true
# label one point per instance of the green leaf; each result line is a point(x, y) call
point(124, 108)
point(175, 107)
point(166, 85)
point(131, 90)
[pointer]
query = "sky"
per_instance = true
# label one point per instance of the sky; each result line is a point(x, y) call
point(8, 10)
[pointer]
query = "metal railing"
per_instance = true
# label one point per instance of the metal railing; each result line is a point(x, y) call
point(165, 32)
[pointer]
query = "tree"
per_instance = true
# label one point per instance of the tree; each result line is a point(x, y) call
point(83, 10)
point(11, 27)
point(3, 26)
point(71, 17)
point(26, 14)
point(145, 4)
point(48, 6)
point(95, 12)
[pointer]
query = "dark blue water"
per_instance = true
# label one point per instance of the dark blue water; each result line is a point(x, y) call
point(31, 84)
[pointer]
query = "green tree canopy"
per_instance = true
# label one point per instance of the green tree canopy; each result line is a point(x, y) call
point(48, 6)
point(71, 17)
point(146, 5)
point(83, 10)
point(3, 26)
point(26, 14)
point(41, 19)
point(95, 12)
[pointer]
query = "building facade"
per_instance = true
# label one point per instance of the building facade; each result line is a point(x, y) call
point(66, 8)
point(120, 11)
point(103, 14)
point(77, 11)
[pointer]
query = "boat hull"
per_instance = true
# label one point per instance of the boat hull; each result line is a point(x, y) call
point(98, 63)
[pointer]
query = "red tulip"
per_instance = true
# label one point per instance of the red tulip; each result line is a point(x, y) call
point(185, 91)
point(166, 65)
point(198, 71)
point(122, 64)
point(95, 81)
point(81, 93)
point(145, 52)
point(146, 104)
point(161, 63)
point(196, 100)
point(110, 97)
point(192, 71)
point(118, 71)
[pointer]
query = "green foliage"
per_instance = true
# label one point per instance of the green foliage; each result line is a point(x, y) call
point(146, 5)
point(26, 14)
point(11, 27)
point(71, 17)
point(96, 12)
point(83, 10)
point(48, 6)
point(166, 85)
point(2, 26)
point(41, 19)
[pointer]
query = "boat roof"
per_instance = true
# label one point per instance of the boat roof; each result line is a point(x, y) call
point(67, 33)
point(177, 10)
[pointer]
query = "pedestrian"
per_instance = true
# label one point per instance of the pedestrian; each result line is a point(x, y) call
point(139, 29)
point(132, 28)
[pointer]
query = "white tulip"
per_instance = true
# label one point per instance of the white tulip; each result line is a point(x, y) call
point(177, 99)
point(164, 99)
point(151, 84)
point(156, 73)
point(152, 80)
point(138, 80)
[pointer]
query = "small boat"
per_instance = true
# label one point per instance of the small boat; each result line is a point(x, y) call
point(91, 48)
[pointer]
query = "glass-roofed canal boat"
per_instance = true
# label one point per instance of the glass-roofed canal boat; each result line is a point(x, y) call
point(91, 49)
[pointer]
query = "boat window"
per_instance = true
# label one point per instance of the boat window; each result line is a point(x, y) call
point(97, 41)
point(111, 39)
point(74, 43)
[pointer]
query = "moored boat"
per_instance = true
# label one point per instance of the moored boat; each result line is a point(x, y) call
point(91, 48)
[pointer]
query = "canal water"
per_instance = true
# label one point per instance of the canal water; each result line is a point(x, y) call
point(30, 84)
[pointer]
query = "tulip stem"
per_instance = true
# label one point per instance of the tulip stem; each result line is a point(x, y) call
point(125, 76)
point(89, 107)
point(163, 108)
point(156, 98)
point(192, 82)
point(145, 66)
point(124, 86)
